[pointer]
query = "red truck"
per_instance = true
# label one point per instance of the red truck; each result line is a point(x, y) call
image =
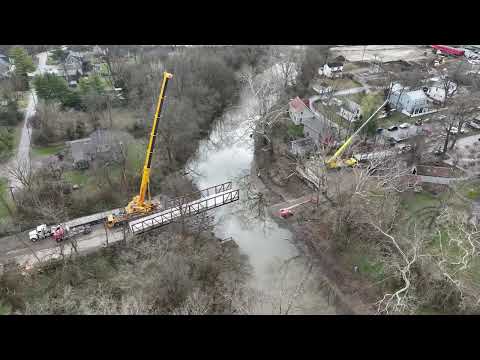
point(449, 50)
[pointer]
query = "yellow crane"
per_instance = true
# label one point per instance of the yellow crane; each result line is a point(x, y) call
point(139, 205)
point(334, 162)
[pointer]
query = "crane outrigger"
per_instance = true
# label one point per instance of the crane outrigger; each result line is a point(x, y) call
point(139, 204)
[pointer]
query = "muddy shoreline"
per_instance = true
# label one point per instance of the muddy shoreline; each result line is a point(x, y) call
point(341, 288)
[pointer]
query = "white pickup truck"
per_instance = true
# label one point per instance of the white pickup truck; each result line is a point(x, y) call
point(41, 232)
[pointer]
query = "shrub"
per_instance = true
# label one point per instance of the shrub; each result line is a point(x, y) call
point(295, 131)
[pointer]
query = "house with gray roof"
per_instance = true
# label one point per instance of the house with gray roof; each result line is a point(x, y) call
point(100, 145)
point(315, 125)
point(411, 103)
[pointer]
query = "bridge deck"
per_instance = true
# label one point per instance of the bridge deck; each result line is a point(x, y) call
point(192, 208)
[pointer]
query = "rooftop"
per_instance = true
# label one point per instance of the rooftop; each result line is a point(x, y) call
point(416, 95)
point(298, 104)
point(334, 64)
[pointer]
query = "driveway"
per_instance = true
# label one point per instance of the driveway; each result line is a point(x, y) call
point(22, 158)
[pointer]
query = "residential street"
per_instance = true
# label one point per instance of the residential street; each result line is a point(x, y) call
point(23, 153)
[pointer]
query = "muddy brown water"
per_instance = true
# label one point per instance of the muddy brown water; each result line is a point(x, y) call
point(280, 277)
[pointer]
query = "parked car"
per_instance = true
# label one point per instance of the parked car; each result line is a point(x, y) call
point(379, 130)
point(404, 126)
point(419, 122)
point(453, 130)
point(441, 117)
point(473, 125)
point(393, 128)
point(403, 148)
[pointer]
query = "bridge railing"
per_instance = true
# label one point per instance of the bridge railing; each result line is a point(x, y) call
point(212, 190)
point(190, 209)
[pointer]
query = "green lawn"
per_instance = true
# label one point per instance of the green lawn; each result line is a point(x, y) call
point(340, 84)
point(469, 189)
point(356, 97)
point(47, 150)
point(79, 177)
point(4, 194)
point(371, 267)
point(136, 154)
point(17, 132)
point(416, 201)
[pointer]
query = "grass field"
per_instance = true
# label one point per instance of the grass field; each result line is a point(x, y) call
point(79, 177)
point(47, 150)
point(470, 189)
point(5, 196)
point(17, 132)
point(340, 84)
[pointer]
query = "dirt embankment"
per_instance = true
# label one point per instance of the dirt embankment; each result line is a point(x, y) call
point(351, 293)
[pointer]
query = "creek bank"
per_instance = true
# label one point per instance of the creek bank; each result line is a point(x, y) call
point(346, 290)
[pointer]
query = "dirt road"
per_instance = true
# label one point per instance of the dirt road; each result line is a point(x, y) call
point(22, 158)
point(382, 52)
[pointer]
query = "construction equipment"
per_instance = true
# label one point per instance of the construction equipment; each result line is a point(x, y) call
point(334, 162)
point(139, 205)
point(288, 212)
point(41, 232)
point(58, 232)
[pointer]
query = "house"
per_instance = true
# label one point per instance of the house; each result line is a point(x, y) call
point(409, 102)
point(436, 92)
point(299, 111)
point(315, 125)
point(350, 110)
point(332, 70)
point(73, 66)
point(5, 65)
point(100, 145)
point(80, 151)
point(319, 129)
point(301, 147)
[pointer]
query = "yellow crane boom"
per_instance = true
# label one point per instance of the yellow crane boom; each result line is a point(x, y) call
point(139, 205)
point(332, 162)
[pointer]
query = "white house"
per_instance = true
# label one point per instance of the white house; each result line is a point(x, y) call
point(436, 92)
point(331, 70)
point(409, 102)
point(299, 111)
point(350, 111)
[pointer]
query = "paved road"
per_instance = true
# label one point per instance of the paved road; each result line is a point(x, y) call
point(23, 153)
point(351, 91)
